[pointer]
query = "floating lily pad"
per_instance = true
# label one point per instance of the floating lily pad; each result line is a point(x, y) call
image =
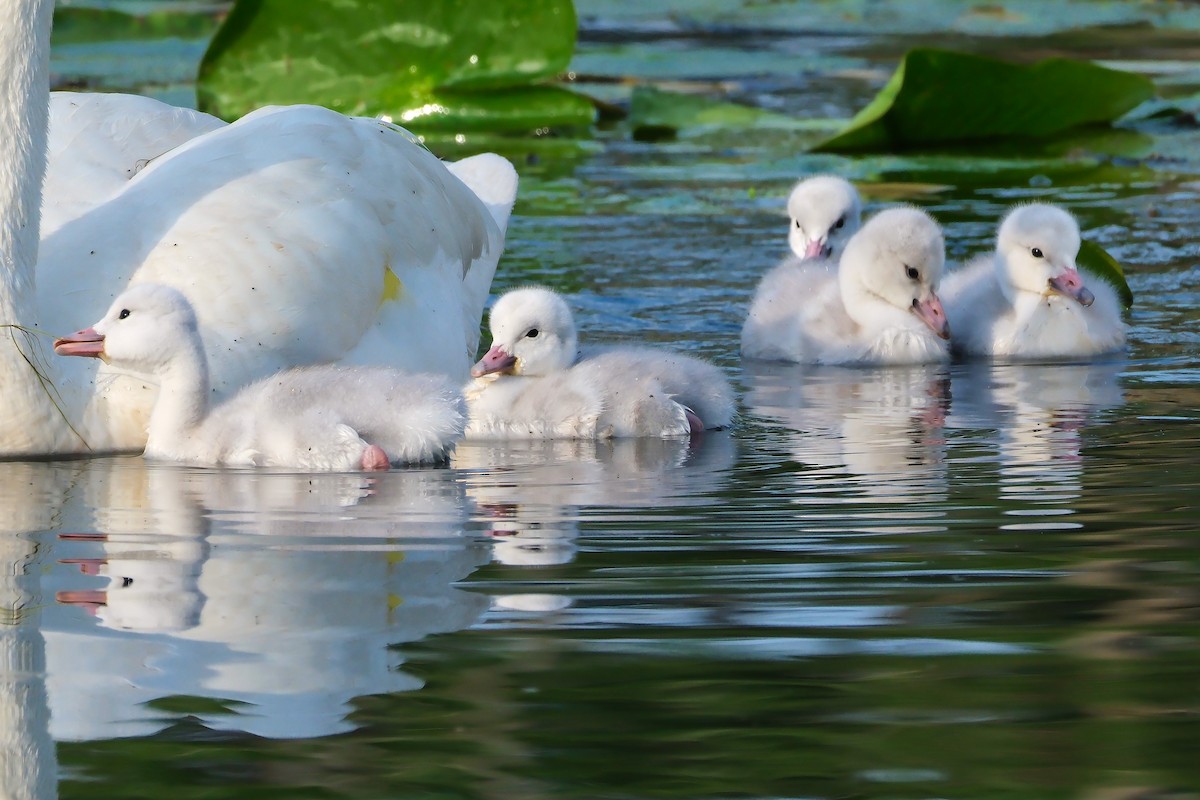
point(654, 112)
point(467, 65)
point(1096, 260)
point(938, 97)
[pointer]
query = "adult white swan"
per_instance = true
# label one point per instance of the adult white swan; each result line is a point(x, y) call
point(299, 234)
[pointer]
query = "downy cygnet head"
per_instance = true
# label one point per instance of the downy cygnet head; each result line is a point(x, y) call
point(825, 212)
point(896, 259)
point(1036, 247)
point(143, 329)
point(533, 333)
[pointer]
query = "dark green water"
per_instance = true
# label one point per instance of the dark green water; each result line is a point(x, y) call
point(959, 582)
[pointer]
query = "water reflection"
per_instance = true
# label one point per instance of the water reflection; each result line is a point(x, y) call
point(30, 495)
point(1038, 413)
point(530, 495)
point(872, 434)
point(270, 599)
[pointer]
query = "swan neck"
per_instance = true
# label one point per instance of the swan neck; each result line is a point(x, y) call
point(24, 120)
point(33, 410)
point(856, 298)
point(1004, 279)
point(182, 403)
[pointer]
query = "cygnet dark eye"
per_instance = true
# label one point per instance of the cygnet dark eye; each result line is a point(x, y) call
point(1037, 252)
point(841, 223)
point(797, 223)
point(124, 313)
point(912, 273)
point(533, 332)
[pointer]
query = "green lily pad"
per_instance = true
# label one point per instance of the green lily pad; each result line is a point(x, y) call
point(654, 112)
point(937, 97)
point(467, 65)
point(1096, 260)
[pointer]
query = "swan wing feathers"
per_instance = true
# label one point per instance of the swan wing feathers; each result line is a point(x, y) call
point(299, 235)
point(98, 142)
point(975, 306)
point(797, 315)
point(689, 381)
point(563, 405)
point(323, 417)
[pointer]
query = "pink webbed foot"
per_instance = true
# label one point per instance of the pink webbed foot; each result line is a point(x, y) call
point(374, 459)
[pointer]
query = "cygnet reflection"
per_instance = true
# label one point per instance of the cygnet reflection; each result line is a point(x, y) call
point(875, 433)
point(279, 594)
point(1038, 413)
point(532, 496)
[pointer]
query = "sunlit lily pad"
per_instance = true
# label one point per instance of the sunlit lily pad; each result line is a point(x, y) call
point(469, 65)
point(1096, 260)
point(938, 97)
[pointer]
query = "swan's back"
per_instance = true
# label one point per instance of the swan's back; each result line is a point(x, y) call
point(319, 417)
point(99, 141)
point(975, 305)
point(797, 313)
point(562, 405)
point(300, 236)
point(688, 381)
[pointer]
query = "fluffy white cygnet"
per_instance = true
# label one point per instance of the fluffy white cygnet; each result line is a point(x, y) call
point(878, 305)
point(312, 418)
point(1028, 300)
point(825, 212)
point(530, 384)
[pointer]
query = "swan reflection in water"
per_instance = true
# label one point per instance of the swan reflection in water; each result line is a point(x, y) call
point(277, 595)
point(1038, 413)
point(530, 495)
point(863, 435)
point(32, 496)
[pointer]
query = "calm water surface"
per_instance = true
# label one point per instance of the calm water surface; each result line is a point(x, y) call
point(967, 581)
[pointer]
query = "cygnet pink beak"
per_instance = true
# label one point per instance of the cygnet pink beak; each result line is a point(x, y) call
point(930, 312)
point(1070, 283)
point(81, 343)
point(495, 360)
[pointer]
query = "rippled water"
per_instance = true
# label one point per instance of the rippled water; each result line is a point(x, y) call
point(959, 581)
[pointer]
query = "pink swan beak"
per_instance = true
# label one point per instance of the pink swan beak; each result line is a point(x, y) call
point(495, 360)
point(1071, 284)
point(81, 343)
point(932, 314)
point(814, 249)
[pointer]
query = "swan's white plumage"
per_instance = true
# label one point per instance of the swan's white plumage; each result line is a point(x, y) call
point(99, 142)
point(300, 235)
point(535, 387)
point(312, 418)
point(1004, 304)
point(860, 311)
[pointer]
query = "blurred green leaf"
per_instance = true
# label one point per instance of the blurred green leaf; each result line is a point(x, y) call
point(1096, 260)
point(74, 25)
point(469, 65)
point(654, 111)
point(940, 96)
